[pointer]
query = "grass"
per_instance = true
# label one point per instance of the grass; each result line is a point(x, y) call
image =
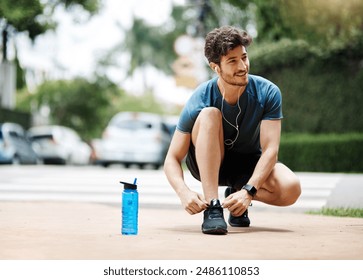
point(339, 212)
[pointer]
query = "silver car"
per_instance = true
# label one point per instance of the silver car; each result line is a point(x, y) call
point(59, 144)
point(15, 148)
point(133, 138)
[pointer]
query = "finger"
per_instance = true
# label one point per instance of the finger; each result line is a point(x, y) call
point(203, 201)
point(202, 205)
point(195, 208)
point(189, 211)
point(239, 212)
point(193, 211)
point(233, 208)
point(229, 201)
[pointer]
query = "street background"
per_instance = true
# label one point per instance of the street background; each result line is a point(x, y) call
point(107, 56)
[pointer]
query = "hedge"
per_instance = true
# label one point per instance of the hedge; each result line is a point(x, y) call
point(321, 93)
point(22, 118)
point(322, 152)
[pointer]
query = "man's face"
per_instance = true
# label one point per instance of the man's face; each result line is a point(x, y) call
point(235, 66)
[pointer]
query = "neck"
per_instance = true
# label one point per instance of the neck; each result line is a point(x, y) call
point(230, 93)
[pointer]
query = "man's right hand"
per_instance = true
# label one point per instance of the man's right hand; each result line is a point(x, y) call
point(193, 202)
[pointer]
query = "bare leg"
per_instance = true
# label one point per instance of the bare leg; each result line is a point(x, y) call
point(282, 187)
point(207, 137)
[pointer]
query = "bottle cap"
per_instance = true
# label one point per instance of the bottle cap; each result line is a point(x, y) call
point(129, 186)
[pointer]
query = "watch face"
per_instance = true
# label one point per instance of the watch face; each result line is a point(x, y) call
point(250, 189)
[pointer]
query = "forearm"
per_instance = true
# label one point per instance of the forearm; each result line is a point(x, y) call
point(263, 168)
point(175, 175)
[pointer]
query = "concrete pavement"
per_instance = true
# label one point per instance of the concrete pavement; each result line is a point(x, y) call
point(75, 231)
point(79, 229)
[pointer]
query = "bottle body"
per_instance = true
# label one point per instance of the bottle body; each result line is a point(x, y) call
point(130, 209)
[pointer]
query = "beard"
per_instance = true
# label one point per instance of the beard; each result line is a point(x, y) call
point(235, 79)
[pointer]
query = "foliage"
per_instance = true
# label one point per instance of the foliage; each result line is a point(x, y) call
point(268, 56)
point(35, 16)
point(20, 117)
point(269, 22)
point(311, 49)
point(79, 104)
point(322, 152)
point(319, 95)
point(333, 23)
point(83, 105)
point(24, 16)
point(91, 6)
point(154, 45)
point(301, 28)
point(144, 103)
point(146, 47)
point(214, 13)
point(149, 45)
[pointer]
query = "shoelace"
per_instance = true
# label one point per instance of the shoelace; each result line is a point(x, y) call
point(215, 212)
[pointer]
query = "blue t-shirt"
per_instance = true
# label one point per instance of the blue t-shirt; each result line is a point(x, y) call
point(261, 100)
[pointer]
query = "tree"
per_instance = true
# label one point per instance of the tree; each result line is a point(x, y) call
point(34, 17)
point(80, 104)
point(84, 105)
point(154, 45)
point(331, 25)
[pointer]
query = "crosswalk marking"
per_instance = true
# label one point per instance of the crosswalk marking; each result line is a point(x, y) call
point(94, 184)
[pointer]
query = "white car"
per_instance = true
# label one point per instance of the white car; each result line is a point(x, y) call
point(133, 138)
point(59, 144)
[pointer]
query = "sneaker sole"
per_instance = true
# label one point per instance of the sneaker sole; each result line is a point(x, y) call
point(239, 225)
point(244, 224)
point(219, 231)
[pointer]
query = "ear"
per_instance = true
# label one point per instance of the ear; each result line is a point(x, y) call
point(214, 67)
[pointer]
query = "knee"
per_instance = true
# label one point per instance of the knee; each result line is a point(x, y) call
point(210, 116)
point(292, 191)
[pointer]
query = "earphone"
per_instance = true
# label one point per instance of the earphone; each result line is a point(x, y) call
point(230, 142)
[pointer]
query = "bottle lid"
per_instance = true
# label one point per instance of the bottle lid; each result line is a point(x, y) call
point(129, 186)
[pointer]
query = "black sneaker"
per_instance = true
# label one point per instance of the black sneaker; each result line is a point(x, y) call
point(239, 221)
point(213, 219)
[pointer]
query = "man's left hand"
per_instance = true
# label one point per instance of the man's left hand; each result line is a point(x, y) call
point(238, 202)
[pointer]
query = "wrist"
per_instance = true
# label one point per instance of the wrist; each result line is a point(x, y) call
point(251, 190)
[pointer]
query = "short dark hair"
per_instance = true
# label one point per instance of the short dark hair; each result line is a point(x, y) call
point(221, 40)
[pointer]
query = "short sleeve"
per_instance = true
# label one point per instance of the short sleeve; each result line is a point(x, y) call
point(273, 104)
point(185, 123)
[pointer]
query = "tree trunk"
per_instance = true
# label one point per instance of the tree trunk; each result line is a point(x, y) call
point(5, 43)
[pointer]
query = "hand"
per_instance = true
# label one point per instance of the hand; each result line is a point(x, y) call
point(238, 202)
point(193, 202)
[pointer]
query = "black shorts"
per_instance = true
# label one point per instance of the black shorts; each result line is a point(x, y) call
point(235, 171)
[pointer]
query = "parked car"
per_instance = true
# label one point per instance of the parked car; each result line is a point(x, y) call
point(133, 138)
point(171, 122)
point(14, 146)
point(59, 145)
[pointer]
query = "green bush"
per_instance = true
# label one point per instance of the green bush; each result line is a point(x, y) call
point(322, 92)
point(271, 55)
point(322, 153)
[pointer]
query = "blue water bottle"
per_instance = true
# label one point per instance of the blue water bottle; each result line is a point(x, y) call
point(130, 208)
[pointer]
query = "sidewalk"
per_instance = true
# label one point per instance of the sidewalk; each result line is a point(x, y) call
point(76, 231)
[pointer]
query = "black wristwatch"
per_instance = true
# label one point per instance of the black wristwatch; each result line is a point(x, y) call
point(250, 189)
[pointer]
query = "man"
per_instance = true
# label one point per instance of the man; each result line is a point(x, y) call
point(229, 131)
